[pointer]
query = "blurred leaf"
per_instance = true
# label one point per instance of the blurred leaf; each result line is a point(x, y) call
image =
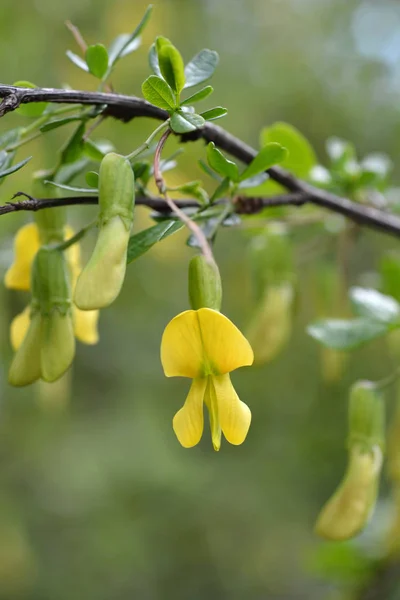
point(300, 156)
point(253, 181)
point(74, 147)
point(58, 123)
point(92, 179)
point(97, 60)
point(346, 335)
point(142, 170)
point(68, 172)
point(72, 188)
point(128, 42)
point(171, 64)
point(194, 189)
point(158, 92)
point(93, 151)
point(220, 164)
point(31, 109)
point(14, 168)
point(201, 67)
point(373, 305)
point(184, 122)
point(221, 190)
point(142, 242)
point(214, 113)
point(10, 137)
point(204, 167)
point(268, 156)
point(200, 95)
point(153, 61)
point(390, 273)
point(341, 562)
point(77, 60)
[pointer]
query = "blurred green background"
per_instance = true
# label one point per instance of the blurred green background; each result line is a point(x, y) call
point(97, 499)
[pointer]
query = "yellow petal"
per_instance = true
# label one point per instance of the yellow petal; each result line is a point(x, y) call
point(57, 347)
point(19, 327)
point(188, 422)
point(234, 415)
point(26, 245)
point(210, 400)
point(85, 325)
point(203, 342)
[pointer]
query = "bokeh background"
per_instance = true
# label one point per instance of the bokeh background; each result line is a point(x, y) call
point(97, 499)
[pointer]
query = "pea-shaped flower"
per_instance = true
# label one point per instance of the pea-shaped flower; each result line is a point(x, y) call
point(48, 347)
point(206, 346)
point(101, 280)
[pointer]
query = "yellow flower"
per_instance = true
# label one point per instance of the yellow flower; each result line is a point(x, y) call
point(205, 346)
point(26, 245)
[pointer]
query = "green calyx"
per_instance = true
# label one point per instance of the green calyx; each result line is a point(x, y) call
point(50, 222)
point(366, 416)
point(116, 190)
point(205, 288)
point(50, 283)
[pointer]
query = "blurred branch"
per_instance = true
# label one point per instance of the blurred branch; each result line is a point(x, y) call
point(384, 585)
point(126, 108)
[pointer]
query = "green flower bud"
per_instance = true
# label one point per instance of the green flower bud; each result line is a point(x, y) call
point(350, 508)
point(49, 345)
point(205, 288)
point(271, 324)
point(101, 280)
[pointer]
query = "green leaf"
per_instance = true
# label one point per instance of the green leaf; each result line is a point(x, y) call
point(31, 109)
point(68, 172)
point(183, 122)
point(77, 60)
point(17, 167)
point(200, 95)
point(171, 64)
point(10, 137)
point(74, 146)
point(271, 154)
point(220, 190)
point(92, 151)
point(301, 156)
point(97, 60)
point(142, 242)
point(194, 189)
point(346, 335)
point(153, 61)
point(128, 42)
point(220, 164)
point(72, 188)
point(158, 92)
point(373, 305)
point(214, 113)
point(390, 273)
point(58, 123)
point(201, 67)
point(253, 181)
point(92, 179)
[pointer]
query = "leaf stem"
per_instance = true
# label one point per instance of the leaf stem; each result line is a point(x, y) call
point(146, 143)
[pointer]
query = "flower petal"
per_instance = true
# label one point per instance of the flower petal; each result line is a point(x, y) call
point(225, 346)
point(25, 367)
point(234, 415)
point(203, 342)
point(182, 352)
point(188, 422)
point(26, 245)
point(85, 325)
point(19, 327)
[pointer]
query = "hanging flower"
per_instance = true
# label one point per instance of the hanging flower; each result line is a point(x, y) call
point(26, 246)
point(205, 346)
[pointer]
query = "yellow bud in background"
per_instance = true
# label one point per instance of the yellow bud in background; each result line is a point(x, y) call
point(101, 280)
point(271, 323)
point(26, 244)
point(350, 508)
point(332, 364)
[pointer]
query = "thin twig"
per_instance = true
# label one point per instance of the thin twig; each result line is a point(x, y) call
point(162, 188)
point(77, 36)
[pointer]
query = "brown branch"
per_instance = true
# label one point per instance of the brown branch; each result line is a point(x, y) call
point(128, 107)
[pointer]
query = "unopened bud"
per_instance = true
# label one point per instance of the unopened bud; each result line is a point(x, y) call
point(366, 415)
point(271, 323)
point(101, 280)
point(205, 288)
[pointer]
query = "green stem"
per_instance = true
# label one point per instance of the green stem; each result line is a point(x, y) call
point(46, 117)
point(146, 144)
